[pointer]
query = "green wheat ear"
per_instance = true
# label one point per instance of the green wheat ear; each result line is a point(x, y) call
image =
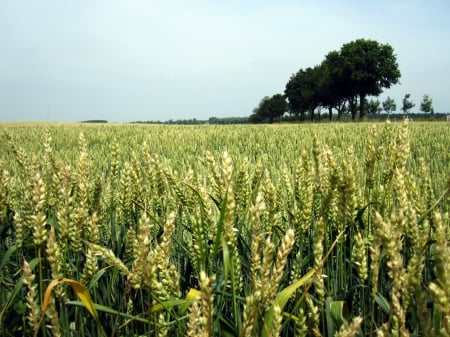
point(188, 231)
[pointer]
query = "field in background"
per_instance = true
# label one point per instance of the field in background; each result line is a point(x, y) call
point(246, 230)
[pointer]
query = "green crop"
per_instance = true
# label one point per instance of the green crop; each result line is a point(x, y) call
point(266, 230)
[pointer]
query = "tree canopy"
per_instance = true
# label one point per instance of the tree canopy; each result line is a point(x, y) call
point(269, 109)
point(407, 104)
point(389, 105)
point(361, 68)
point(368, 68)
point(427, 105)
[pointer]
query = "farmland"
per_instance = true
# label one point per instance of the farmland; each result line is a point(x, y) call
point(248, 230)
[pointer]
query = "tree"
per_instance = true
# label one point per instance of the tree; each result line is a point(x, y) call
point(389, 105)
point(302, 91)
point(277, 107)
point(269, 109)
point(367, 68)
point(427, 104)
point(255, 118)
point(373, 106)
point(359, 69)
point(407, 104)
point(259, 111)
point(332, 89)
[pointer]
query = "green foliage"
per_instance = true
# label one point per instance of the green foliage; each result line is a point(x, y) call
point(369, 67)
point(303, 91)
point(373, 106)
point(389, 105)
point(427, 104)
point(407, 104)
point(359, 69)
point(269, 109)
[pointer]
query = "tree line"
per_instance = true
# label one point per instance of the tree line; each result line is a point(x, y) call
point(341, 83)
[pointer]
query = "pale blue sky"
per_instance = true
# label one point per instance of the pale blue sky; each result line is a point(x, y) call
point(129, 60)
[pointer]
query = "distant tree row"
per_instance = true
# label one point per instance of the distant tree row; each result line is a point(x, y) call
point(375, 107)
point(95, 121)
point(194, 121)
point(343, 81)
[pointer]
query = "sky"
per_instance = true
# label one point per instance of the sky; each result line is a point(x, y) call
point(141, 60)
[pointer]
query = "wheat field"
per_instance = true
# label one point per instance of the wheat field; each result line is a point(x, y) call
point(247, 230)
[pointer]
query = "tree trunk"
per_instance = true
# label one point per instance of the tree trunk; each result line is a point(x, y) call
point(362, 101)
point(330, 113)
point(352, 106)
point(340, 108)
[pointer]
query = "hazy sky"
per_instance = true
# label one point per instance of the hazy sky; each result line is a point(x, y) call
point(129, 60)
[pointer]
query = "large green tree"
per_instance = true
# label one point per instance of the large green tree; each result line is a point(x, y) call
point(332, 89)
point(303, 91)
point(367, 68)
